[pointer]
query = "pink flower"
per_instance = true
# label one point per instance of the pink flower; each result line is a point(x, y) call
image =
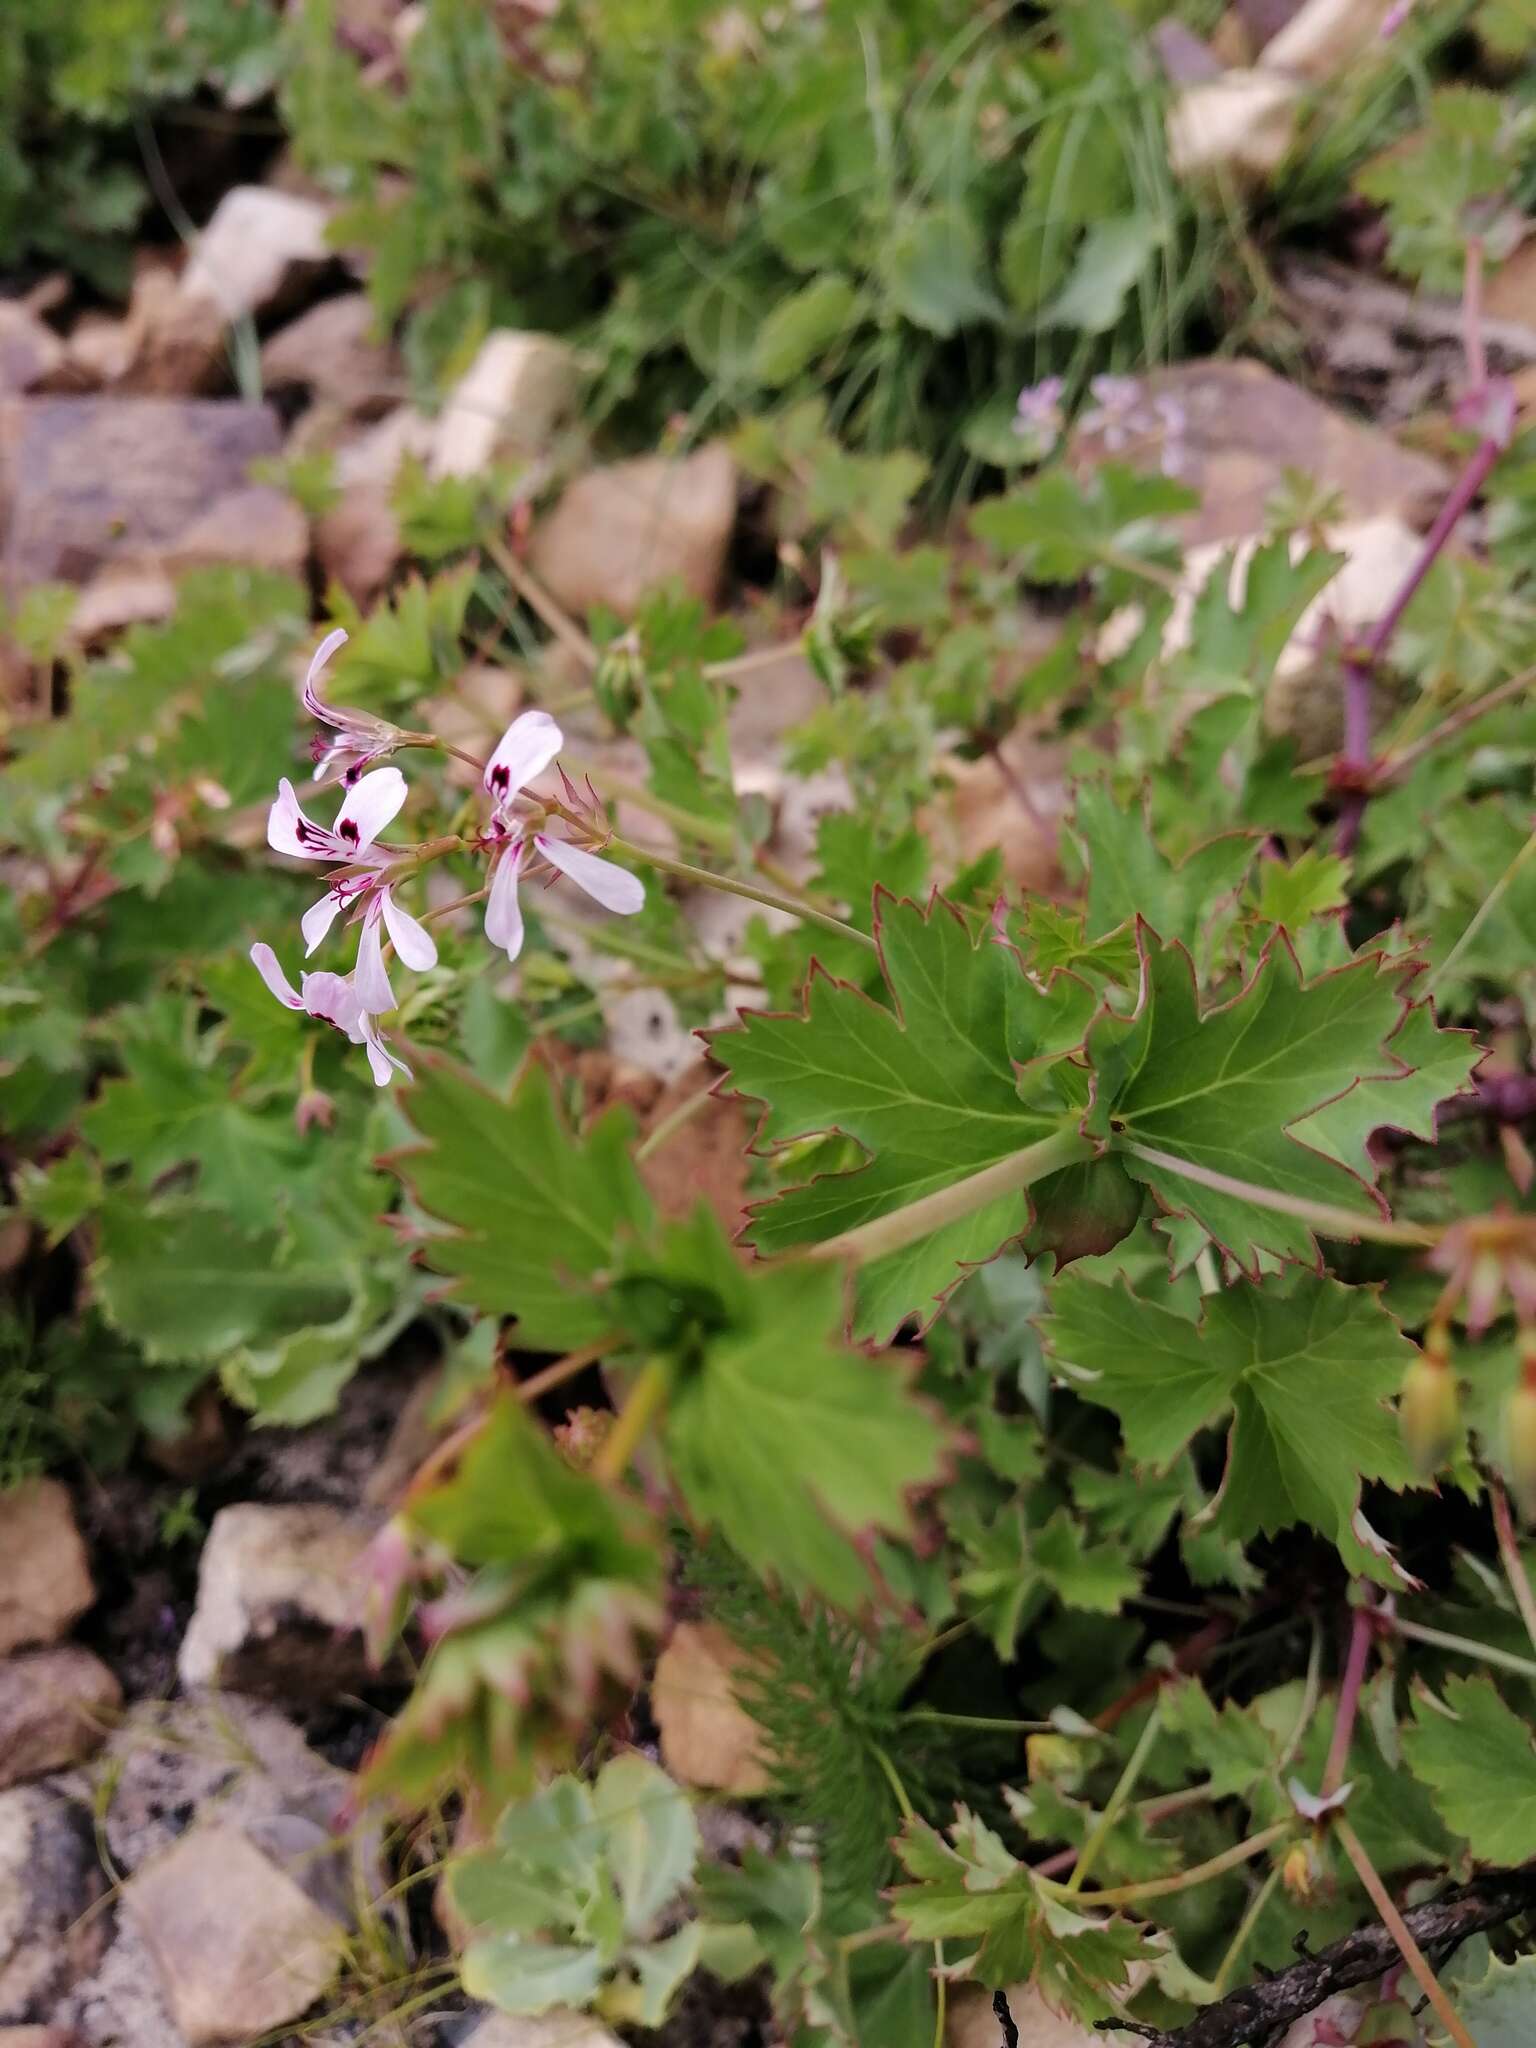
point(360, 737)
point(1038, 417)
point(527, 747)
point(370, 805)
point(334, 999)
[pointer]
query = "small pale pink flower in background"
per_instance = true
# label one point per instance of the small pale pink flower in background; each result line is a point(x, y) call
point(1394, 17)
point(361, 738)
point(334, 999)
point(528, 747)
point(1038, 418)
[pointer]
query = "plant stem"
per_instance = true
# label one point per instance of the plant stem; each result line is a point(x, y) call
point(1326, 1218)
point(1402, 759)
point(538, 599)
point(644, 1402)
point(1393, 1921)
point(708, 830)
point(754, 658)
point(1099, 1834)
point(996, 1724)
point(1465, 1646)
point(1481, 915)
point(1183, 1880)
point(458, 903)
point(1245, 1927)
point(769, 898)
point(671, 1124)
point(563, 1369)
point(1349, 1700)
point(1004, 1177)
point(1509, 1551)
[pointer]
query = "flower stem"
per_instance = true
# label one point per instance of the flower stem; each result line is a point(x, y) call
point(644, 1402)
point(1183, 1880)
point(905, 1226)
point(1116, 1802)
point(1481, 915)
point(538, 599)
point(1397, 1927)
point(769, 898)
point(1349, 1700)
point(1465, 1646)
point(1509, 1551)
point(995, 1724)
point(674, 1121)
point(1245, 1927)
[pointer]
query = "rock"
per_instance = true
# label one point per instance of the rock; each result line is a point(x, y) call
point(1510, 293)
point(618, 533)
point(970, 2022)
point(56, 1707)
point(1322, 36)
point(50, 1877)
point(374, 457)
point(279, 1598)
point(46, 1584)
point(415, 1436)
point(164, 345)
point(561, 2027)
point(358, 541)
point(121, 2004)
point(507, 403)
point(256, 247)
point(331, 352)
point(220, 1757)
point(1242, 123)
point(707, 1738)
point(256, 525)
point(200, 1446)
point(1014, 803)
point(38, 2037)
point(1236, 427)
point(30, 351)
point(122, 595)
point(87, 482)
point(238, 1947)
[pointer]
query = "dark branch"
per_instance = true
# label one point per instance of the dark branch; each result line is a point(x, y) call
point(1262, 2011)
point(1005, 2019)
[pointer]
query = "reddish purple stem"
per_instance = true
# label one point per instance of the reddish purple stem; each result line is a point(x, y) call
point(1349, 1701)
point(1360, 667)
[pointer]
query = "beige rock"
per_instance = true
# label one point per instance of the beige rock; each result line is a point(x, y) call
point(122, 595)
point(707, 1739)
point(1016, 807)
point(239, 1948)
point(562, 2027)
point(165, 345)
point(506, 404)
point(358, 542)
point(1323, 36)
point(37, 2037)
point(30, 351)
point(375, 457)
point(332, 352)
point(254, 247)
point(971, 2024)
point(46, 1582)
point(1510, 293)
point(56, 1708)
point(257, 525)
point(85, 482)
point(1243, 427)
point(120, 2005)
point(1242, 123)
point(279, 1599)
point(50, 1878)
point(618, 533)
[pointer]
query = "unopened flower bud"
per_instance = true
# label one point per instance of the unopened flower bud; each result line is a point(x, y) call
point(1300, 1871)
point(1429, 1408)
point(1056, 1759)
point(313, 1109)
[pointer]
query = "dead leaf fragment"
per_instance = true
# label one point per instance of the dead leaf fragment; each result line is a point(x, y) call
point(707, 1739)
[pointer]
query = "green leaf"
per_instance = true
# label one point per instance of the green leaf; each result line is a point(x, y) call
point(976, 1890)
point(932, 269)
point(1130, 876)
point(650, 1837)
point(1439, 1063)
point(927, 1088)
point(1293, 894)
point(1219, 1091)
point(1236, 642)
point(1062, 528)
point(1500, 2008)
point(1229, 1744)
point(1477, 1758)
point(801, 328)
point(1304, 1370)
point(529, 1976)
point(1097, 1577)
point(1110, 261)
point(188, 1285)
point(794, 1447)
point(536, 1212)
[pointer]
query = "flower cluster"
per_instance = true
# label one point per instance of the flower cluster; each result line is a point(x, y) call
point(366, 871)
point(1124, 413)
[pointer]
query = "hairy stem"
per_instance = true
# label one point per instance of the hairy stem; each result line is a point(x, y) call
point(771, 899)
point(1115, 1805)
point(1395, 1925)
point(918, 1219)
point(644, 1402)
point(1465, 1646)
point(674, 1121)
point(1328, 1219)
point(1183, 1880)
point(539, 600)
